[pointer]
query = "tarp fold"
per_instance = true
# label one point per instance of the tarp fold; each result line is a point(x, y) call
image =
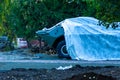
point(87, 40)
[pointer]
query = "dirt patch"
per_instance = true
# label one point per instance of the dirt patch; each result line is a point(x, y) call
point(75, 73)
point(90, 76)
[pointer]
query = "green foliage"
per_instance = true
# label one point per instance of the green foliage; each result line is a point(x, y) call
point(105, 10)
point(4, 11)
point(108, 10)
point(24, 17)
point(28, 16)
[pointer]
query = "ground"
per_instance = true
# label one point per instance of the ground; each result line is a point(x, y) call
point(75, 73)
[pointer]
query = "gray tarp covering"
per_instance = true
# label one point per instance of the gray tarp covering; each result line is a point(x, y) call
point(87, 40)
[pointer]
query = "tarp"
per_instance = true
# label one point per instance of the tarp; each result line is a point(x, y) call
point(87, 40)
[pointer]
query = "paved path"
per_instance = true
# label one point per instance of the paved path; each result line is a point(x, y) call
point(21, 59)
point(48, 64)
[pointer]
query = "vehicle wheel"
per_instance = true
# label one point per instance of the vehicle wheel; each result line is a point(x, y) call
point(61, 50)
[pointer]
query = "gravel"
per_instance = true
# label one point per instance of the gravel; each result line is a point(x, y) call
point(75, 73)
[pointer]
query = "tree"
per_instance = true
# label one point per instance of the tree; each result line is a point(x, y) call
point(108, 10)
point(24, 17)
point(4, 11)
point(28, 16)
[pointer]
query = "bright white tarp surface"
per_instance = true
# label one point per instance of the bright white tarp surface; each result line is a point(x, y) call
point(87, 40)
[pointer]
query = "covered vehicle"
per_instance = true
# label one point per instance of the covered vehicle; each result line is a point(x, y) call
point(85, 39)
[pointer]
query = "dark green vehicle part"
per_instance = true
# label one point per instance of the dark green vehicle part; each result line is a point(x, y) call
point(54, 37)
